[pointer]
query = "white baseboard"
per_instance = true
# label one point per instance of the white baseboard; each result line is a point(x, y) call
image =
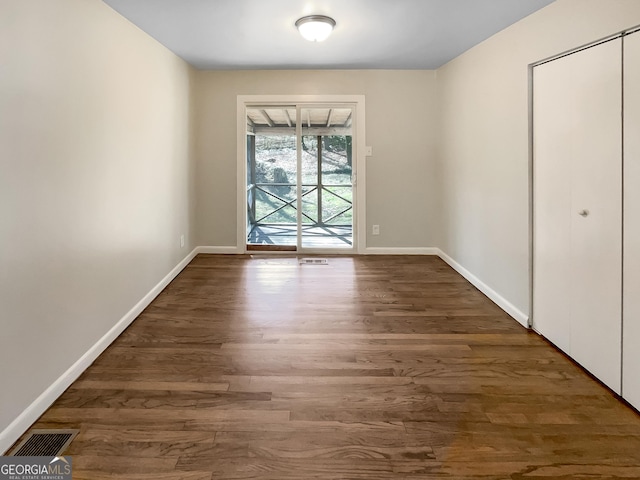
point(22, 423)
point(495, 297)
point(232, 250)
point(400, 251)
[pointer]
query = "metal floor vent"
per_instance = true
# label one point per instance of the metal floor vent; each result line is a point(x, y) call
point(44, 443)
point(314, 261)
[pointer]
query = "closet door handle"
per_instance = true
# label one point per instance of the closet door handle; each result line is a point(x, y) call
point(583, 213)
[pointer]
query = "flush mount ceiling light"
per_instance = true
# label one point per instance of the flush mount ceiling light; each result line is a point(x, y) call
point(315, 28)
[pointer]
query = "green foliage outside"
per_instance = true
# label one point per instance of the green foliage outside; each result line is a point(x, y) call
point(276, 163)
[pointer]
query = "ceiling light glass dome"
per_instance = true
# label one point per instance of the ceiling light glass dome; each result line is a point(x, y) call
point(315, 28)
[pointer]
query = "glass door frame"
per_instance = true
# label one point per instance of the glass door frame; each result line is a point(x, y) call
point(356, 103)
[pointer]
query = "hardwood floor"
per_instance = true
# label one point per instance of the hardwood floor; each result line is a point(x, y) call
point(371, 367)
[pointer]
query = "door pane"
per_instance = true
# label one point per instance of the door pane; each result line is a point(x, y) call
point(326, 162)
point(272, 173)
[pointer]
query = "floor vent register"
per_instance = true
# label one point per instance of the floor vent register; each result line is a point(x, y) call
point(314, 261)
point(44, 443)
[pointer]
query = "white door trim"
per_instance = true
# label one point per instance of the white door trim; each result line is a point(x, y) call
point(358, 101)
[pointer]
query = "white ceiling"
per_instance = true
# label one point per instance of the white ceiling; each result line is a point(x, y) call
point(260, 34)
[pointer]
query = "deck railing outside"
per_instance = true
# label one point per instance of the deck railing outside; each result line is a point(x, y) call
point(252, 190)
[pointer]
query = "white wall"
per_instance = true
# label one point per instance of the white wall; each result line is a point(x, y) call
point(483, 138)
point(96, 183)
point(400, 116)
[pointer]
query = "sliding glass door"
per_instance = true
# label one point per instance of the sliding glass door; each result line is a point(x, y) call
point(299, 177)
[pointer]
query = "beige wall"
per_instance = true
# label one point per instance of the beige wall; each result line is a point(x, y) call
point(96, 182)
point(483, 137)
point(400, 116)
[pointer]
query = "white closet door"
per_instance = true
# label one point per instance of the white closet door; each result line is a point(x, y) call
point(578, 207)
point(631, 296)
point(597, 238)
point(553, 148)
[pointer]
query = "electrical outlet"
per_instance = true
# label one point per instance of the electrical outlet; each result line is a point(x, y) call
point(181, 241)
point(375, 230)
